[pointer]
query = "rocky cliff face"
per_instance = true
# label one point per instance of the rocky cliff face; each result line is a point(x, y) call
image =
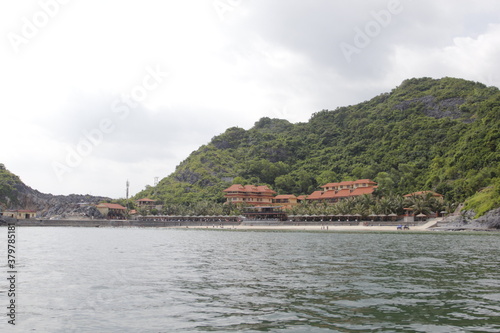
point(466, 221)
point(57, 206)
point(491, 219)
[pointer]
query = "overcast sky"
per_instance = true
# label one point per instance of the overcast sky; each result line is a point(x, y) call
point(98, 92)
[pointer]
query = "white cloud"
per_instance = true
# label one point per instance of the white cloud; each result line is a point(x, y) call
point(472, 58)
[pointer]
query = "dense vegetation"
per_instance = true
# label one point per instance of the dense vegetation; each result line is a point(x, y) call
point(426, 134)
point(8, 191)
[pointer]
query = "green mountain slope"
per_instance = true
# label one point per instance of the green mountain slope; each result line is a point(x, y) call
point(8, 184)
point(426, 134)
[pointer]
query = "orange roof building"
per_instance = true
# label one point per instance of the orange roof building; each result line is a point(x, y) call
point(287, 201)
point(301, 198)
point(145, 200)
point(255, 195)
point(111, 210)
point(334, 192)
point(146, 203)
point(349, 185)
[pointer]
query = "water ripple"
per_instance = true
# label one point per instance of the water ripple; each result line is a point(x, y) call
point(157, 280)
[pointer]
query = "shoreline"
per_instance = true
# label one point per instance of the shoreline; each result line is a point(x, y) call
point(430, 226)
point(317, 228)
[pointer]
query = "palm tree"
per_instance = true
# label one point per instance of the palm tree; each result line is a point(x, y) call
point(398, 204)
point(450, 207)
point(342, 207)
point(366, 200)
point(419, 204)
point(386, 206)
point(361, 209)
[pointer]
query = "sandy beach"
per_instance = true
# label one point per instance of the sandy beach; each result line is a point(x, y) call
point(424, 227)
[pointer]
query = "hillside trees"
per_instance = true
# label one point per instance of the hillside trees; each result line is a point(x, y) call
point(426, 134)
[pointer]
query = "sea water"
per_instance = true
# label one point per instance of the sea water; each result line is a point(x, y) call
point(167, 280)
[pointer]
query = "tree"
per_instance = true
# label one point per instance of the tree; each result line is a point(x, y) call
point(385, 183)
point(326, 177)
point(419, 204)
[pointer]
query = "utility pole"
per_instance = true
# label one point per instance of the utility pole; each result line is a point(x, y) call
point(127, 189)
point(127, 205)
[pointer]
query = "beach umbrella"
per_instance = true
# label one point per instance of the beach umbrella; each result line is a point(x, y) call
point(421, 216)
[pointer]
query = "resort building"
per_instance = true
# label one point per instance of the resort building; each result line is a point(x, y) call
point(334, 192)
point(301, 198)
point(287, 201)
point(264, 213)
point(20, 214)
point(145, 203)
point(249, 194)
point(410, 213)
point(112, 210)
point(425, 193)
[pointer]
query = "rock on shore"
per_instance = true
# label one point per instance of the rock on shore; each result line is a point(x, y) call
point(490, 220)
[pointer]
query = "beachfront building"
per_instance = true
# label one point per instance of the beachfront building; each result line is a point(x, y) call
point(112, 210)
point(424, 194)
point(145, 203)
point(20, 214)
point(301, 198)
point(254, 195)
point(264, 213)
point(423, 212)
point(287, 201)
point(334, 192)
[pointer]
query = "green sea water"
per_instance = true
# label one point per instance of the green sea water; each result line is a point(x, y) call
point(163, 280)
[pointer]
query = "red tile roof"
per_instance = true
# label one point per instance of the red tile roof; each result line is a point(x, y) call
point(336, 184)
point(348, 183)
point(111, 206)
point(363, 190)
point(146, 200)
point(343, 193)
point(315, 195)
point(249, 189)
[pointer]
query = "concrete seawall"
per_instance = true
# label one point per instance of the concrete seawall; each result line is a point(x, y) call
point(166, 224)
point(116, 223)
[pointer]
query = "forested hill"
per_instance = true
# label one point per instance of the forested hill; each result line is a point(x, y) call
point(426, 134)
